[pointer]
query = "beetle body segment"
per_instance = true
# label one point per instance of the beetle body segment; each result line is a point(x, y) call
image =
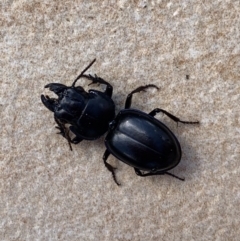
point(98, 111)
point(143, 142)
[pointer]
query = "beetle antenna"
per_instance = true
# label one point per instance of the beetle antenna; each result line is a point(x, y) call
point(79, 76)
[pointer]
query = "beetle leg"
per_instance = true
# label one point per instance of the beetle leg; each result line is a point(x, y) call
point(139, 89)
point(172, 175)
point(63, 131)
point(60, 126)
point(95, 79)
point(109, 167)
point(76, 139)
point(139, 173)
point(174, 118)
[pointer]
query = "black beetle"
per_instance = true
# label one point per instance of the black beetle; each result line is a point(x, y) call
point(87, 113)
point(143, 142)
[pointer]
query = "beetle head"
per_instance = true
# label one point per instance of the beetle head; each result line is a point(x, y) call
point(70, 103)
point(51, 103)
point(71, 100)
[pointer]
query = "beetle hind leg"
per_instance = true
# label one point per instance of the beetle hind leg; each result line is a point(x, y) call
point(109, 167)
point(174, 118)
point(172, 175)
point(139, 173)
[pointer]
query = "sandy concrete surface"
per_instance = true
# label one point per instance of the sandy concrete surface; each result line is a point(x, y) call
point(51, 193)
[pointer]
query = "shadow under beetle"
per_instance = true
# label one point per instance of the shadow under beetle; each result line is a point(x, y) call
point(143, 142)
point(87, 113)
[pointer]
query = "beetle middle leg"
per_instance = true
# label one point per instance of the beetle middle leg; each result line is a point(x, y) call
point(174, 118)
point(95, 79)
point(109, 167)
point(128, 101)
point(139, 173)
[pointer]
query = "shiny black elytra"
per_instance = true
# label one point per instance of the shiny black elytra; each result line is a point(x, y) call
point(87, 113)
point(143, 142)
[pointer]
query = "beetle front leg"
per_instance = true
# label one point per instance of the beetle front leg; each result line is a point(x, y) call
point(174, 118)
point(63, 131)
point(76, 139)
point(95, 79)
point(139, 173)
point(109, 167)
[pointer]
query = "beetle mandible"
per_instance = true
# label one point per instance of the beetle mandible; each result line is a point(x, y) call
point(87, 113)
point(143, 142)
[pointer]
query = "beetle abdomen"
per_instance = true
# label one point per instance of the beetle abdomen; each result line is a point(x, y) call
point(143, 142)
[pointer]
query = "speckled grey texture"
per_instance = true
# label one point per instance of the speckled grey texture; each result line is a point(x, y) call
point(51, 193)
